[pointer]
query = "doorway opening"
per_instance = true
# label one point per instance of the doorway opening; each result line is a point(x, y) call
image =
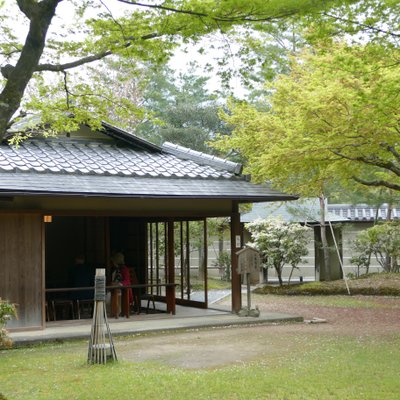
point(145, 246)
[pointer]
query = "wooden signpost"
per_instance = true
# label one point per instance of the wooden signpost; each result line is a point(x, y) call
point(249, 261)
point(101, 346)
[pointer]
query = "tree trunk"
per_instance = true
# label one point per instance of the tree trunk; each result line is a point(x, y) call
point(200, 251)
point(40, 16)
point(290, 275)
point(368, 263)
point(324, 241)
point(221, 230)
point(278, 269)
point(388, 258)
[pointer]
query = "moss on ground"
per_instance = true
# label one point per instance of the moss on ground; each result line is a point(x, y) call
point(382, 284)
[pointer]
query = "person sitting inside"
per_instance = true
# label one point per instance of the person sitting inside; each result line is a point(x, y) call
point(120, 273)
point(82, 276)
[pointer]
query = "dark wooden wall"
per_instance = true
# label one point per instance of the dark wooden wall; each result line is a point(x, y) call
point(68, 237)
point(128, 235)
point(97, 241)
point(65, 239)
point(21, 267)
point(94, 238)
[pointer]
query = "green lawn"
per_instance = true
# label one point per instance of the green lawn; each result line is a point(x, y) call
point(212, 284)
point(316, 367)
point(341, 301)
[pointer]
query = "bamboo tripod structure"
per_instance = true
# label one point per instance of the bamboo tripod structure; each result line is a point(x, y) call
point(101, 346)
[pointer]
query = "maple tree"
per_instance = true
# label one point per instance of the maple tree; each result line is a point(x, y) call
point(37, 39)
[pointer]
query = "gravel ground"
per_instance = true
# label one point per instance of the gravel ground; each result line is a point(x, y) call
point(358, 316)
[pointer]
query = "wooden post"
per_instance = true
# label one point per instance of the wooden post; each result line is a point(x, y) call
point(115, 303)
point(157, 255)
point(151, 255)
point(125, 306)
point(235, 246)
point(170, 290)
point(43, 272)
point(101, 346)
point(187, 272)
point(182, 260)
point(205, 245)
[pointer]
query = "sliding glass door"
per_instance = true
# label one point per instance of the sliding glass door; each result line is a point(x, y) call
point(190, 248)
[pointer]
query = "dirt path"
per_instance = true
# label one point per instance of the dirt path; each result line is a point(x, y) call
point(365, 317)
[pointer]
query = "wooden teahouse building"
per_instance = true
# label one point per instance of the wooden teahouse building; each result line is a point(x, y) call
point(91, 193)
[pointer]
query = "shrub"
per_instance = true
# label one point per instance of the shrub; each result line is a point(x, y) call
point(7, 311)
point(383, 242)
point(223, 263)
point(279, 243)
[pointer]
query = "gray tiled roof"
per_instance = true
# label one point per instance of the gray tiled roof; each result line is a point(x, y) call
point(118, 186)
point(99, 158)
point(196, 156)
point(117, 163)
point(363, 212)
point(302, 211)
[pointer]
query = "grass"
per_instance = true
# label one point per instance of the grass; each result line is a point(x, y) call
point(320, 368)
point(218, 284)
point(335, 301)
point(303, 365)
point(380, 284)
point(212, 284)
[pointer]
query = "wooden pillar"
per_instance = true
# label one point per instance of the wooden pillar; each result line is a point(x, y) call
point(170, 290)
point(21, 267)
point(187, 272)
point(235, 246)
point(205, 261)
